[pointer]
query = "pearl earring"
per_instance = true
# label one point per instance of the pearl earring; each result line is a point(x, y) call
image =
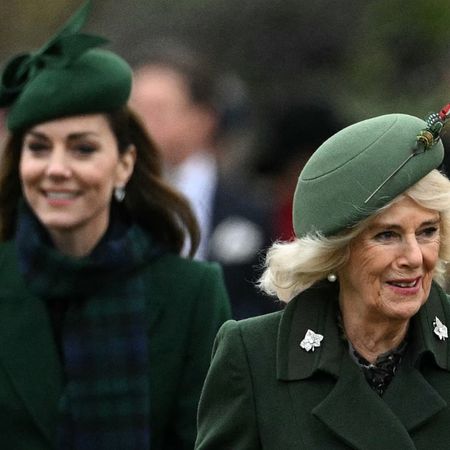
point(119, 193)
point(331, 277)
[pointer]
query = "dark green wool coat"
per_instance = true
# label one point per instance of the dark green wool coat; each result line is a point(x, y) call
point(187, 304)
point(263, 391)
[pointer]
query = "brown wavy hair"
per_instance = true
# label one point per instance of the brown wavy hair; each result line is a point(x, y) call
point(150, 201)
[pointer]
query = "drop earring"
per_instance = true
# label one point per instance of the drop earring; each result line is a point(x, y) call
point(331, 277)
point(119, 193)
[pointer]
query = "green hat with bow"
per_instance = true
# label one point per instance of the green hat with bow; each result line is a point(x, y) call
point(362, 168)
point(65, 77)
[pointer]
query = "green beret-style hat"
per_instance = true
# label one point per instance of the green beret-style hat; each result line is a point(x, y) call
point(67, 76)
point(362, 168)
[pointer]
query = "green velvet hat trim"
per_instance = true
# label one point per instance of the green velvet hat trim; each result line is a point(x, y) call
point(66, 76)
point(362, 168)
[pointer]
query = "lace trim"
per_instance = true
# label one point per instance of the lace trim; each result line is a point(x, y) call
point(380, 373)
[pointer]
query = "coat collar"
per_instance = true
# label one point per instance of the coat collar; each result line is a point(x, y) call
point(346, 406)
point(423, 338)
point(316, 309)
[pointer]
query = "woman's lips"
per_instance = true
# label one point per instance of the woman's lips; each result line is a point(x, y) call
point(406, 286)
point(60, 198)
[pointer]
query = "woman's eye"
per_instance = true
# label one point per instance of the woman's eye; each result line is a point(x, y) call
point(429, 232)
point(384, 236)
point(85, 149)
point(36, 147)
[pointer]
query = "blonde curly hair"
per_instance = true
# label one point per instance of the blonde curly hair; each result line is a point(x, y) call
point(291, 267)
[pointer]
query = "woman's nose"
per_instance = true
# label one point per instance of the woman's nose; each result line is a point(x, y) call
point(411, 253)
point(58, 164)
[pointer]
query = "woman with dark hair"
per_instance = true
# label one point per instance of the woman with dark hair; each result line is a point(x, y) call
point(105, 329)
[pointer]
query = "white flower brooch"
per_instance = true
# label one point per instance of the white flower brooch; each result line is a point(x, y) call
point(311, 341)
point(440, 330)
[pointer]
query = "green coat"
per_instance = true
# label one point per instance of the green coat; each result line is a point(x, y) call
point(263, 391)
point(187, 305)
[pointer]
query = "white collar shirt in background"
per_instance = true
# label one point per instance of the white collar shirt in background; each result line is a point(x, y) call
point(197, 178)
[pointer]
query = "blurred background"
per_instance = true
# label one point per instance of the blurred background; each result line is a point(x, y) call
point(363, 57)
point(367, 56)
point(288, 74)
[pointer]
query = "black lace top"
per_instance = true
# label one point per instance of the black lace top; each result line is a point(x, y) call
point(380, 373)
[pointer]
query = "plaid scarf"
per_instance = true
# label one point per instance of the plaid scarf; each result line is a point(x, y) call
point(105, 403)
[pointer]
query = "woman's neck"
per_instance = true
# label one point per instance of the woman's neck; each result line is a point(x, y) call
point(371, 338)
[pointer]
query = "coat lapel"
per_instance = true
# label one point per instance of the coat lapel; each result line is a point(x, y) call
point(347, 407)
point(412, 399)
point(355, 413)
point(28, 353)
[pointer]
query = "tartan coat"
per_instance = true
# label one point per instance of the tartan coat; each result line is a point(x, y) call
point(263, 391)
point(187, 305)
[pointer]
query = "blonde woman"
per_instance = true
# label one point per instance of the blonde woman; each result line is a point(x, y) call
point(359, 358)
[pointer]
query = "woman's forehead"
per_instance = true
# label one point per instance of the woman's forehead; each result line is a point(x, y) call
point(83, 124)
point(404, 211)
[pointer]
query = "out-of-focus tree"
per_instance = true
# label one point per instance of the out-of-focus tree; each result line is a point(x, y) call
point(401, 61)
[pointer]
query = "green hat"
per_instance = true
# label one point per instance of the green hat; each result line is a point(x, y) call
point(362, 168)
point(66, 77)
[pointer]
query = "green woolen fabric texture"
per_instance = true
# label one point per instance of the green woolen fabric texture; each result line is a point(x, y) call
point(347, 168)
point(98, 81)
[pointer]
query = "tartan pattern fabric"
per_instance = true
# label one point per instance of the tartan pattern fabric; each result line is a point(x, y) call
point(105, 403)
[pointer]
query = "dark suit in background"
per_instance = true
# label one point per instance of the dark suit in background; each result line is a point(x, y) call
point(241, 231)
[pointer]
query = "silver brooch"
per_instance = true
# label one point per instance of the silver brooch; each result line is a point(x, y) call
point(440, 330)
point(311, 341)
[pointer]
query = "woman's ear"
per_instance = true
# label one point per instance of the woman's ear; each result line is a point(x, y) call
point(125, 167)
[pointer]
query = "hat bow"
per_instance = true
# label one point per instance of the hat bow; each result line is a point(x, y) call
point(63, 48)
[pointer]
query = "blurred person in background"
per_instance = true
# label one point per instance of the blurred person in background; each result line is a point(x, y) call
point(295, 130)
point(175, 92)
point(105, 329)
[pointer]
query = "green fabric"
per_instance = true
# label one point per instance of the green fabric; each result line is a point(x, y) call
point(346, 169)
point(186, 303)
point(263, 391)
point(65, 77)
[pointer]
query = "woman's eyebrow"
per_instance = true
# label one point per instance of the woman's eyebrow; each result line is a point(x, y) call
point(431, 222)
point(71, 136)
point(82, 134)
point(36, 134)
